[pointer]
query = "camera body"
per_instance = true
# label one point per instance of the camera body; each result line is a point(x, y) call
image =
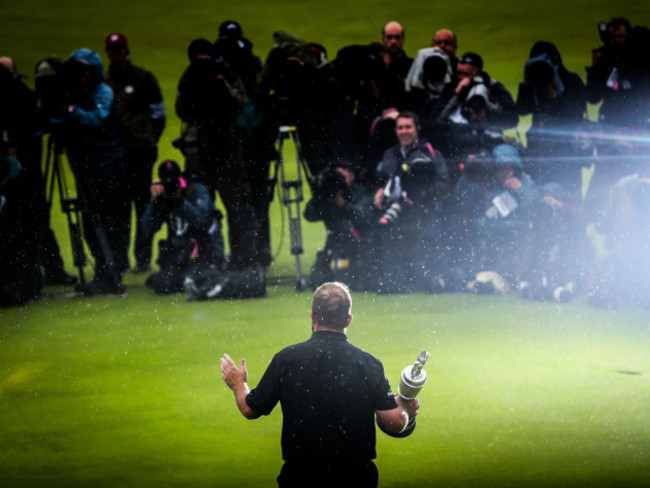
point(329, 183)
point(539, 70)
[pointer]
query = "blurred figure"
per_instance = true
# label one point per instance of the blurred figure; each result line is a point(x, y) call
point(557, 100)
point(411, 191)
point(474, 118)
point(397, 64)
point(619, 75)
point(557, 259)
point(21, 128)
point(210, 98)
point(493, 204)
point(479, 98)
point(430, 83)
point(93, 144)
point(194, 240)
point(237, 52)
point(345, 207)
point(20, 279)
point(623, 276)
point(142, 115)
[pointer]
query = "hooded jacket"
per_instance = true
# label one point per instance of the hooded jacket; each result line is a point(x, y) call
point(94, 142)
point(569, 103)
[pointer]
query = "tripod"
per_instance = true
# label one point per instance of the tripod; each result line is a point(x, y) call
point(71, 206)
point(292, 193)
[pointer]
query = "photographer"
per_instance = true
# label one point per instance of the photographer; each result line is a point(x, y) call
point(237, 51)
point(210, 97)
point(493, 201)
point(412, 190)
point(142, 115)
point(557, 100)
point(478, 98)
point(88, 127)
point(21, 131)
point(430, 83)
point(194, 239)
point(619, 75)
point(345, 207)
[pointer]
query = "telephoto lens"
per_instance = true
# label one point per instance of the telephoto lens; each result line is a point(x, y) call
point(391, 213)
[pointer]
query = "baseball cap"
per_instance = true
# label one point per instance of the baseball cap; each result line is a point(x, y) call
point(116, 41)
point(230, 29)
point(473, 59)
point(169, 170)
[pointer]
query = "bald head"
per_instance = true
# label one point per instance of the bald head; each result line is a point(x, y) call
point(392, 37)
point(8, 63)
point(446, 40)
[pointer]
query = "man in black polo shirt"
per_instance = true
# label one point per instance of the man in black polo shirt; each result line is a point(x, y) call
point(330, 392)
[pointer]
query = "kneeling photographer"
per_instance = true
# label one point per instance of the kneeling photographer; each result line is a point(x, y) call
point(192, 256)
point(494, 206)
point(194, 238)
point(345, 207)
point(412, 190)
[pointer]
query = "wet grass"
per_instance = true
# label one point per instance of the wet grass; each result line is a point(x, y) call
point(126, 392)
point(519, 393)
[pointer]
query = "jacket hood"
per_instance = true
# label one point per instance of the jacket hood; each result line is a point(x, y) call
point(92, 59)
point(549, 50)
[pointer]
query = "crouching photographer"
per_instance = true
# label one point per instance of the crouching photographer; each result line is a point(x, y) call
point(345, 207)
point(494, 205)
point(194, 238)
point(408, 238)
point(192, 256)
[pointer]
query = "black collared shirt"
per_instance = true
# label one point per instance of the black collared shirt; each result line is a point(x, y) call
point(329, 390)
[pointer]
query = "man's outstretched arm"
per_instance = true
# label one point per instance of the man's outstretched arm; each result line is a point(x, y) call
point(236, 379)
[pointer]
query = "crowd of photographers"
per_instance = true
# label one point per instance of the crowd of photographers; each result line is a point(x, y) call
point(406, 158)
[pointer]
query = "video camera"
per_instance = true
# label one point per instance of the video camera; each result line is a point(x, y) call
point(51, 89)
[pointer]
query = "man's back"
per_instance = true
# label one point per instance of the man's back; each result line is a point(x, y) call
point(329, 390)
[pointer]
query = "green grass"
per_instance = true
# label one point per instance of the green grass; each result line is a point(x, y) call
point(519, 394)
point(110, 392)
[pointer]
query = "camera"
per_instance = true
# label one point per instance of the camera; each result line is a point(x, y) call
point(329, 183)
point(169, 173)
point(539, 70)
point(51, 90)
point(392, 212)
point(436, 70)
point(171, 185)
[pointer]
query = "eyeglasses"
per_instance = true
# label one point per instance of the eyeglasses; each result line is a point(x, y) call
point(393, 36)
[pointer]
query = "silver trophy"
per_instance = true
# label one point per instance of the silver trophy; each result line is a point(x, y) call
point(411, 382)
point(413, 378)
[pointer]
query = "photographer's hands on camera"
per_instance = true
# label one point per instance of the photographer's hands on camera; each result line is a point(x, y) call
point(168, 197)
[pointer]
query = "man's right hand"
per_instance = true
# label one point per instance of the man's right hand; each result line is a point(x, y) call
point(410, 406)
point(233, 376)
point(236, 379)
point(378, 199)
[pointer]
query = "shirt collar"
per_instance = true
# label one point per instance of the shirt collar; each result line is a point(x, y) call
point(329, 334)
